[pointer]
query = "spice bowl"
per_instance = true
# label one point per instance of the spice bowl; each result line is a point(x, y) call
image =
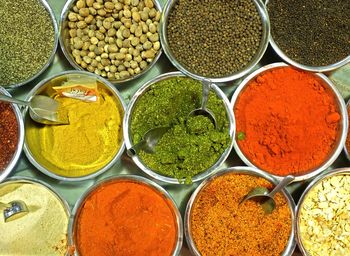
point(283, 122)
point(215, 220)
point(200, 40)
point(118, 41)
point(92, 140)
point(11, 122)
point(322, 215)
point(347, 142)
point(191, 148)
point(132, 209)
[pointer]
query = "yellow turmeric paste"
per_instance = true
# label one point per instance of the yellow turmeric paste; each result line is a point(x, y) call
point(87, 144)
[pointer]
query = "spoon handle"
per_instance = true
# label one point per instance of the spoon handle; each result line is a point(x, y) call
point(13, 100)
point(284, 182)
point(205, 93)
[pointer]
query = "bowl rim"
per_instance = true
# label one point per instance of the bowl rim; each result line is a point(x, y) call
point(345, 147)
point(117, 155)
point(137, 160)
point(265, 23)
point(309, 188)
point(291, 244)
point(68, 55)
point(319, 69)
point(343, 124)
point(15, 157)
point(48, 62)
point(130, 178)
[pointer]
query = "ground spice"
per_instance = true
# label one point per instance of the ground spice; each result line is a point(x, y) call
point(26, 40)
point(290, 121)
point(214, 38)
point(126, 217)
point(191, 145)
point(221, 226)
point(314, 32)
point(8, 134)
point(347, 142)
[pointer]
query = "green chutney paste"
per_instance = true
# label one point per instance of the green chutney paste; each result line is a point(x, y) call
point(192, 144)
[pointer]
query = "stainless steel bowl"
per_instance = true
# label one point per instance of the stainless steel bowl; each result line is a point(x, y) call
point(346, 150)
point(128, 137)
point(306, 192)
point(65, 44)
point(341, 134)
point(133, 178)
point(238, 74)
point(56, 80)
point(238, 170)
point(302, 66)
point(52, 55)
point(11, 165)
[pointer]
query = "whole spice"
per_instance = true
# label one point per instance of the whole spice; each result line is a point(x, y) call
point(314, 33)
point(27, 39)
point(8, 134)
point(127, 218)
point(116, 39)
point(214, 38)
point(290, 120)
point(324, 217)
point(220, 225)
point(191, 145)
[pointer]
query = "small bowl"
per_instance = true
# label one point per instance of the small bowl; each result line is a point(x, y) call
point(128, 137)
point(238, 74)
point(74, 223)
point(64, 39)
point(314, 183)
point(51, 190)
point(342, 129)
point(11, 165)
point(45, 88)
point(52, 55)
point(290, 246)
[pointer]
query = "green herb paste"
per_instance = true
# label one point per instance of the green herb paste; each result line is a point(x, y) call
point(192, 144)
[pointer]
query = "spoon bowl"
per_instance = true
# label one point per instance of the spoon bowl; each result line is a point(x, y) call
point(14, 210)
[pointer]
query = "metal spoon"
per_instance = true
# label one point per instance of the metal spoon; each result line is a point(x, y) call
point(42, 109)
point(266, 197)
point(14, 210)
point(149, 141)
point(203, 109)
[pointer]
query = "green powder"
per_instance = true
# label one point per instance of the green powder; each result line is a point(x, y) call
point(191, 145)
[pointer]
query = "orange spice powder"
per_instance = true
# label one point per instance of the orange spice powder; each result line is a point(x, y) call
point(222, 226)
point(126, 218)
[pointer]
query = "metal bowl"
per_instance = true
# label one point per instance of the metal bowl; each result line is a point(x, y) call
point(341, 134)
point(45, 87)
point(302, 66)
point(128, 138)
point(346, 150)
point(11, 165)
point(52, 55)
point(238, 74)
point(73, 225)
point(311, 185)
point(238, 170)
point(65, 42)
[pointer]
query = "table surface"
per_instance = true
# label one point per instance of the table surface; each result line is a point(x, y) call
point(71, 191)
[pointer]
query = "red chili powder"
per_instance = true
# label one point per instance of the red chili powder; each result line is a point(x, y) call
point(126, 218)
point(287, 121)
point(8, 134)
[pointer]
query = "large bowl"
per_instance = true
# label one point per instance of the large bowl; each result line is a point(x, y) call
point(342, 129)
point(44, 87)
point(65, 45)
point(73, 225)
point(11, 165)
point(238, 170)
point(238, 74)
point(52, 55)
point(128, 138)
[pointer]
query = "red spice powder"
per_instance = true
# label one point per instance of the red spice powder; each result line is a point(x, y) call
point(8, 134)
point(126, 218)
point(290, 121)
